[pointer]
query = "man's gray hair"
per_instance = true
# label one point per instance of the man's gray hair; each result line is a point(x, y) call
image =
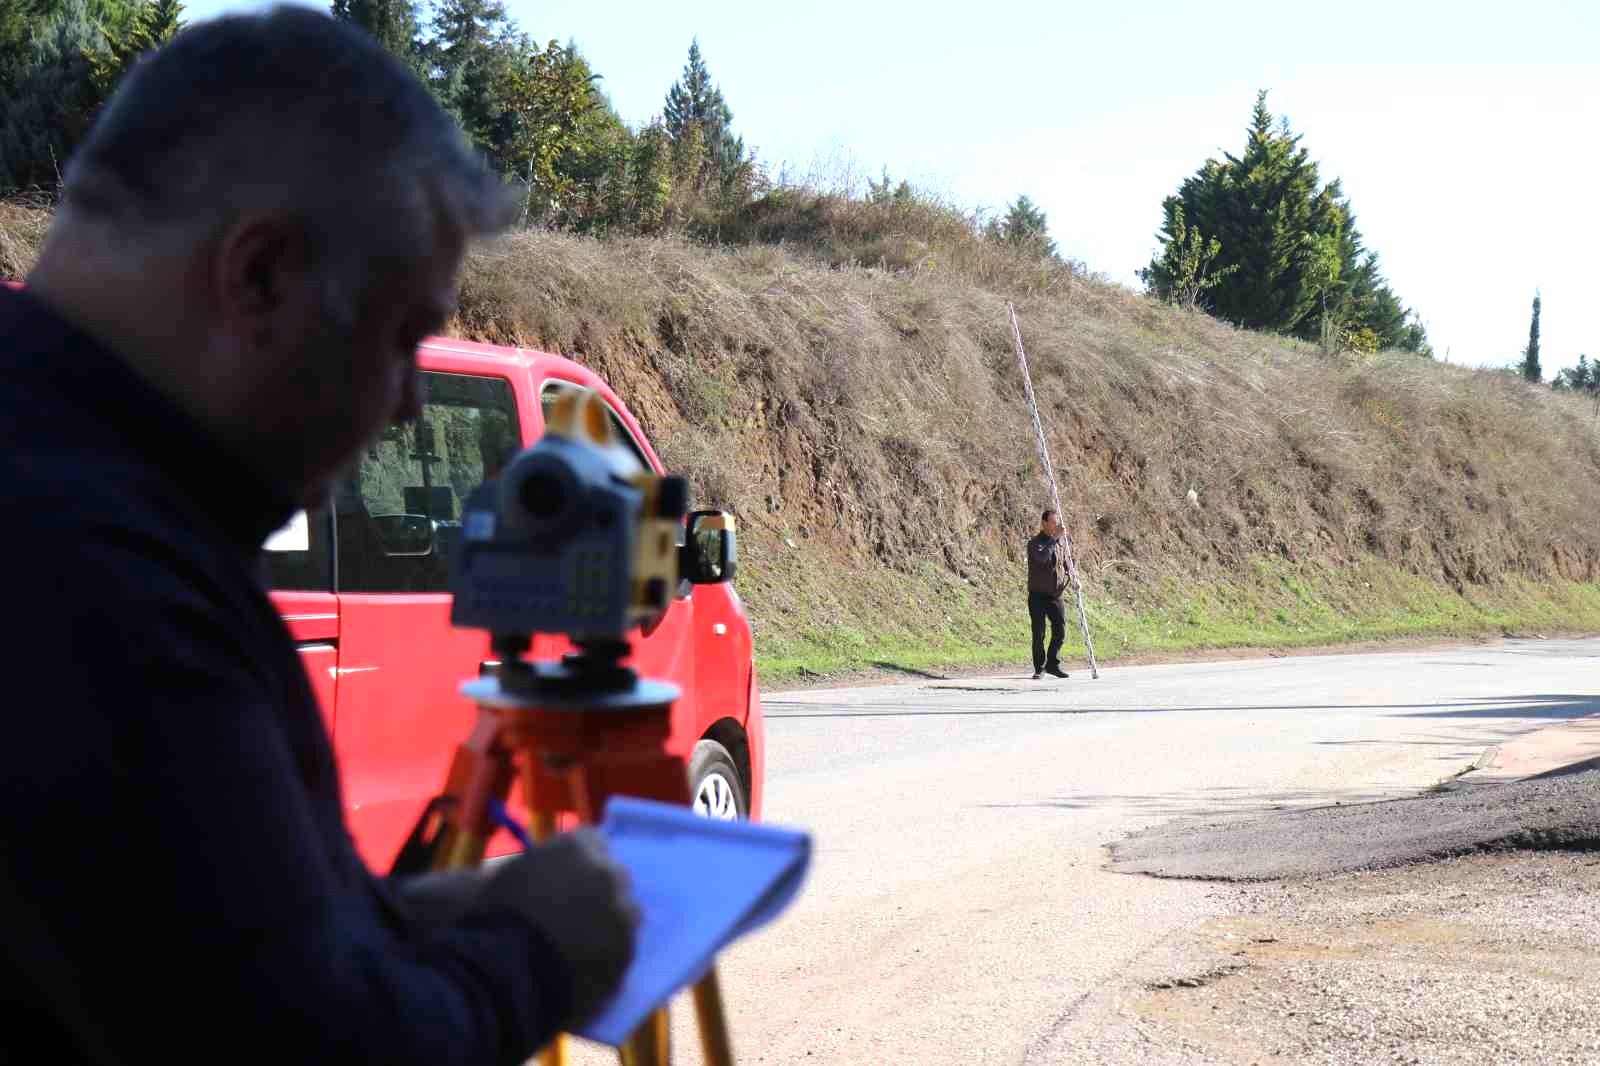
point(288, 110)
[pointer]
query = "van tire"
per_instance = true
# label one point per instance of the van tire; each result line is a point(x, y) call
point(714, 784)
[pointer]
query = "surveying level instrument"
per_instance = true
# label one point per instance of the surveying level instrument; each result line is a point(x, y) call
point(574, 537)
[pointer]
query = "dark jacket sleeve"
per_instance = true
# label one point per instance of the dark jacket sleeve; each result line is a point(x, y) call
point(159, 842)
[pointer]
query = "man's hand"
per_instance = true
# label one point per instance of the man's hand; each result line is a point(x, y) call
point(439, 898)
point(582, 901)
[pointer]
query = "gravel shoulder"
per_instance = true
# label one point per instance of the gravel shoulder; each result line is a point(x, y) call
point(1341, 943)
point(1489, 959)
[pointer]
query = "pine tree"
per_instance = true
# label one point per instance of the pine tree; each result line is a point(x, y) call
point(394, 23)
point(1530, 354)
point(474, 48)
point(1025, 226)
point(693, 99)
point(694, 103)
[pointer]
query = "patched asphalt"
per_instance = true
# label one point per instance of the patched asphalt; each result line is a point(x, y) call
point(1557, 810)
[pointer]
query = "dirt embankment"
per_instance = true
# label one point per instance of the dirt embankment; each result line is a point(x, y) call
point(867, 426)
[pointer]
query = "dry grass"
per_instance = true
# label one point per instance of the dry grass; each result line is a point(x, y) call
point(916, 232)
point(22, 227)
point(881, 410)
point(873, 418)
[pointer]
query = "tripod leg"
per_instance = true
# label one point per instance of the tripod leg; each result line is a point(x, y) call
point(482, 771)
point(542, 826)
point(708, 1010)
point(664, 778)
point(650, 1044)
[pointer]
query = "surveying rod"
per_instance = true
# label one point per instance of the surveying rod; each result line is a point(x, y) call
point(1055, 497)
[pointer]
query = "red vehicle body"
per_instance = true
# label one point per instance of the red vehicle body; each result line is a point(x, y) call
point(386, 663)
point(373, 625)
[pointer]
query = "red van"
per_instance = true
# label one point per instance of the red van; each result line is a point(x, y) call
point(371, 611)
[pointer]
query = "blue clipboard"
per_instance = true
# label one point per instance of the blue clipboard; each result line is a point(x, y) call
point(700, 885)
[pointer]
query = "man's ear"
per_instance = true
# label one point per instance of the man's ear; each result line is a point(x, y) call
point(256, 264)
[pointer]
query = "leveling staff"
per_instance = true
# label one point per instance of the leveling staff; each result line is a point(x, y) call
point(258, 230)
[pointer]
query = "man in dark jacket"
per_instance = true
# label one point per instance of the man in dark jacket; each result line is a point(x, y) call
point(255, 234)
point(1047, 580)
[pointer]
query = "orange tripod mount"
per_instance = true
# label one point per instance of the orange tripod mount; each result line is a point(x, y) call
point(574, 734)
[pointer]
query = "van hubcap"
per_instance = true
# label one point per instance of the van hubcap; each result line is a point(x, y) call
point(715, 798)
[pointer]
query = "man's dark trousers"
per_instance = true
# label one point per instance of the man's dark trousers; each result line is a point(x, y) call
point(1041, 606)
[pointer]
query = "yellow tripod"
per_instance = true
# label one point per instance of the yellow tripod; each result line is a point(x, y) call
point(573, 735)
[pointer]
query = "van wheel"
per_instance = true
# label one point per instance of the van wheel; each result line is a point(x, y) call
point(714, 783)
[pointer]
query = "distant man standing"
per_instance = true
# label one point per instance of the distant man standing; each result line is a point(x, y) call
point(1047, 580)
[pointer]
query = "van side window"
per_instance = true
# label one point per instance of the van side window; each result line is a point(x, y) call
point(399, 513)
point(298, 556)
point(555, 387)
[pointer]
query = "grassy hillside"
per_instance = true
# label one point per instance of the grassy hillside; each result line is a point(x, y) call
point(866, 423)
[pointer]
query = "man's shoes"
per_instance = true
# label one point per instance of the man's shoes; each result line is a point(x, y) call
point(1037, 675)
point(1055, 671)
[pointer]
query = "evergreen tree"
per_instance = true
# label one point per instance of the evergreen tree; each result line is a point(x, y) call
point(1184, 270)
point(165, 20)
point(55, 96)
point(695, 108)
point(24, 24)
point(886, 192)
point(470, 60)
point(145, 26)
point(394, 23)
point(1584, 377)
point(1271, 217)
point(650, 177)
point(598, 163)
point(1414, 336)
point(1290, 258)
point(20, 22)
point(1025, 226)
point(1530, 354)
point(692, 100)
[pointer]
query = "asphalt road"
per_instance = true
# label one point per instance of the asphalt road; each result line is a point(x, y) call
point(960, 907)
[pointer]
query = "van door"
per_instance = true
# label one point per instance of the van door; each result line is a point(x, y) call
point(299, 567)
point(398, 517)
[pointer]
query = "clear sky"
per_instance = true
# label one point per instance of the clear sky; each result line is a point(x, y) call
point(1467, 133)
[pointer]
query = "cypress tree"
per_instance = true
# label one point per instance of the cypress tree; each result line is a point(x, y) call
point(1530, 354)
point(1289, 257)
